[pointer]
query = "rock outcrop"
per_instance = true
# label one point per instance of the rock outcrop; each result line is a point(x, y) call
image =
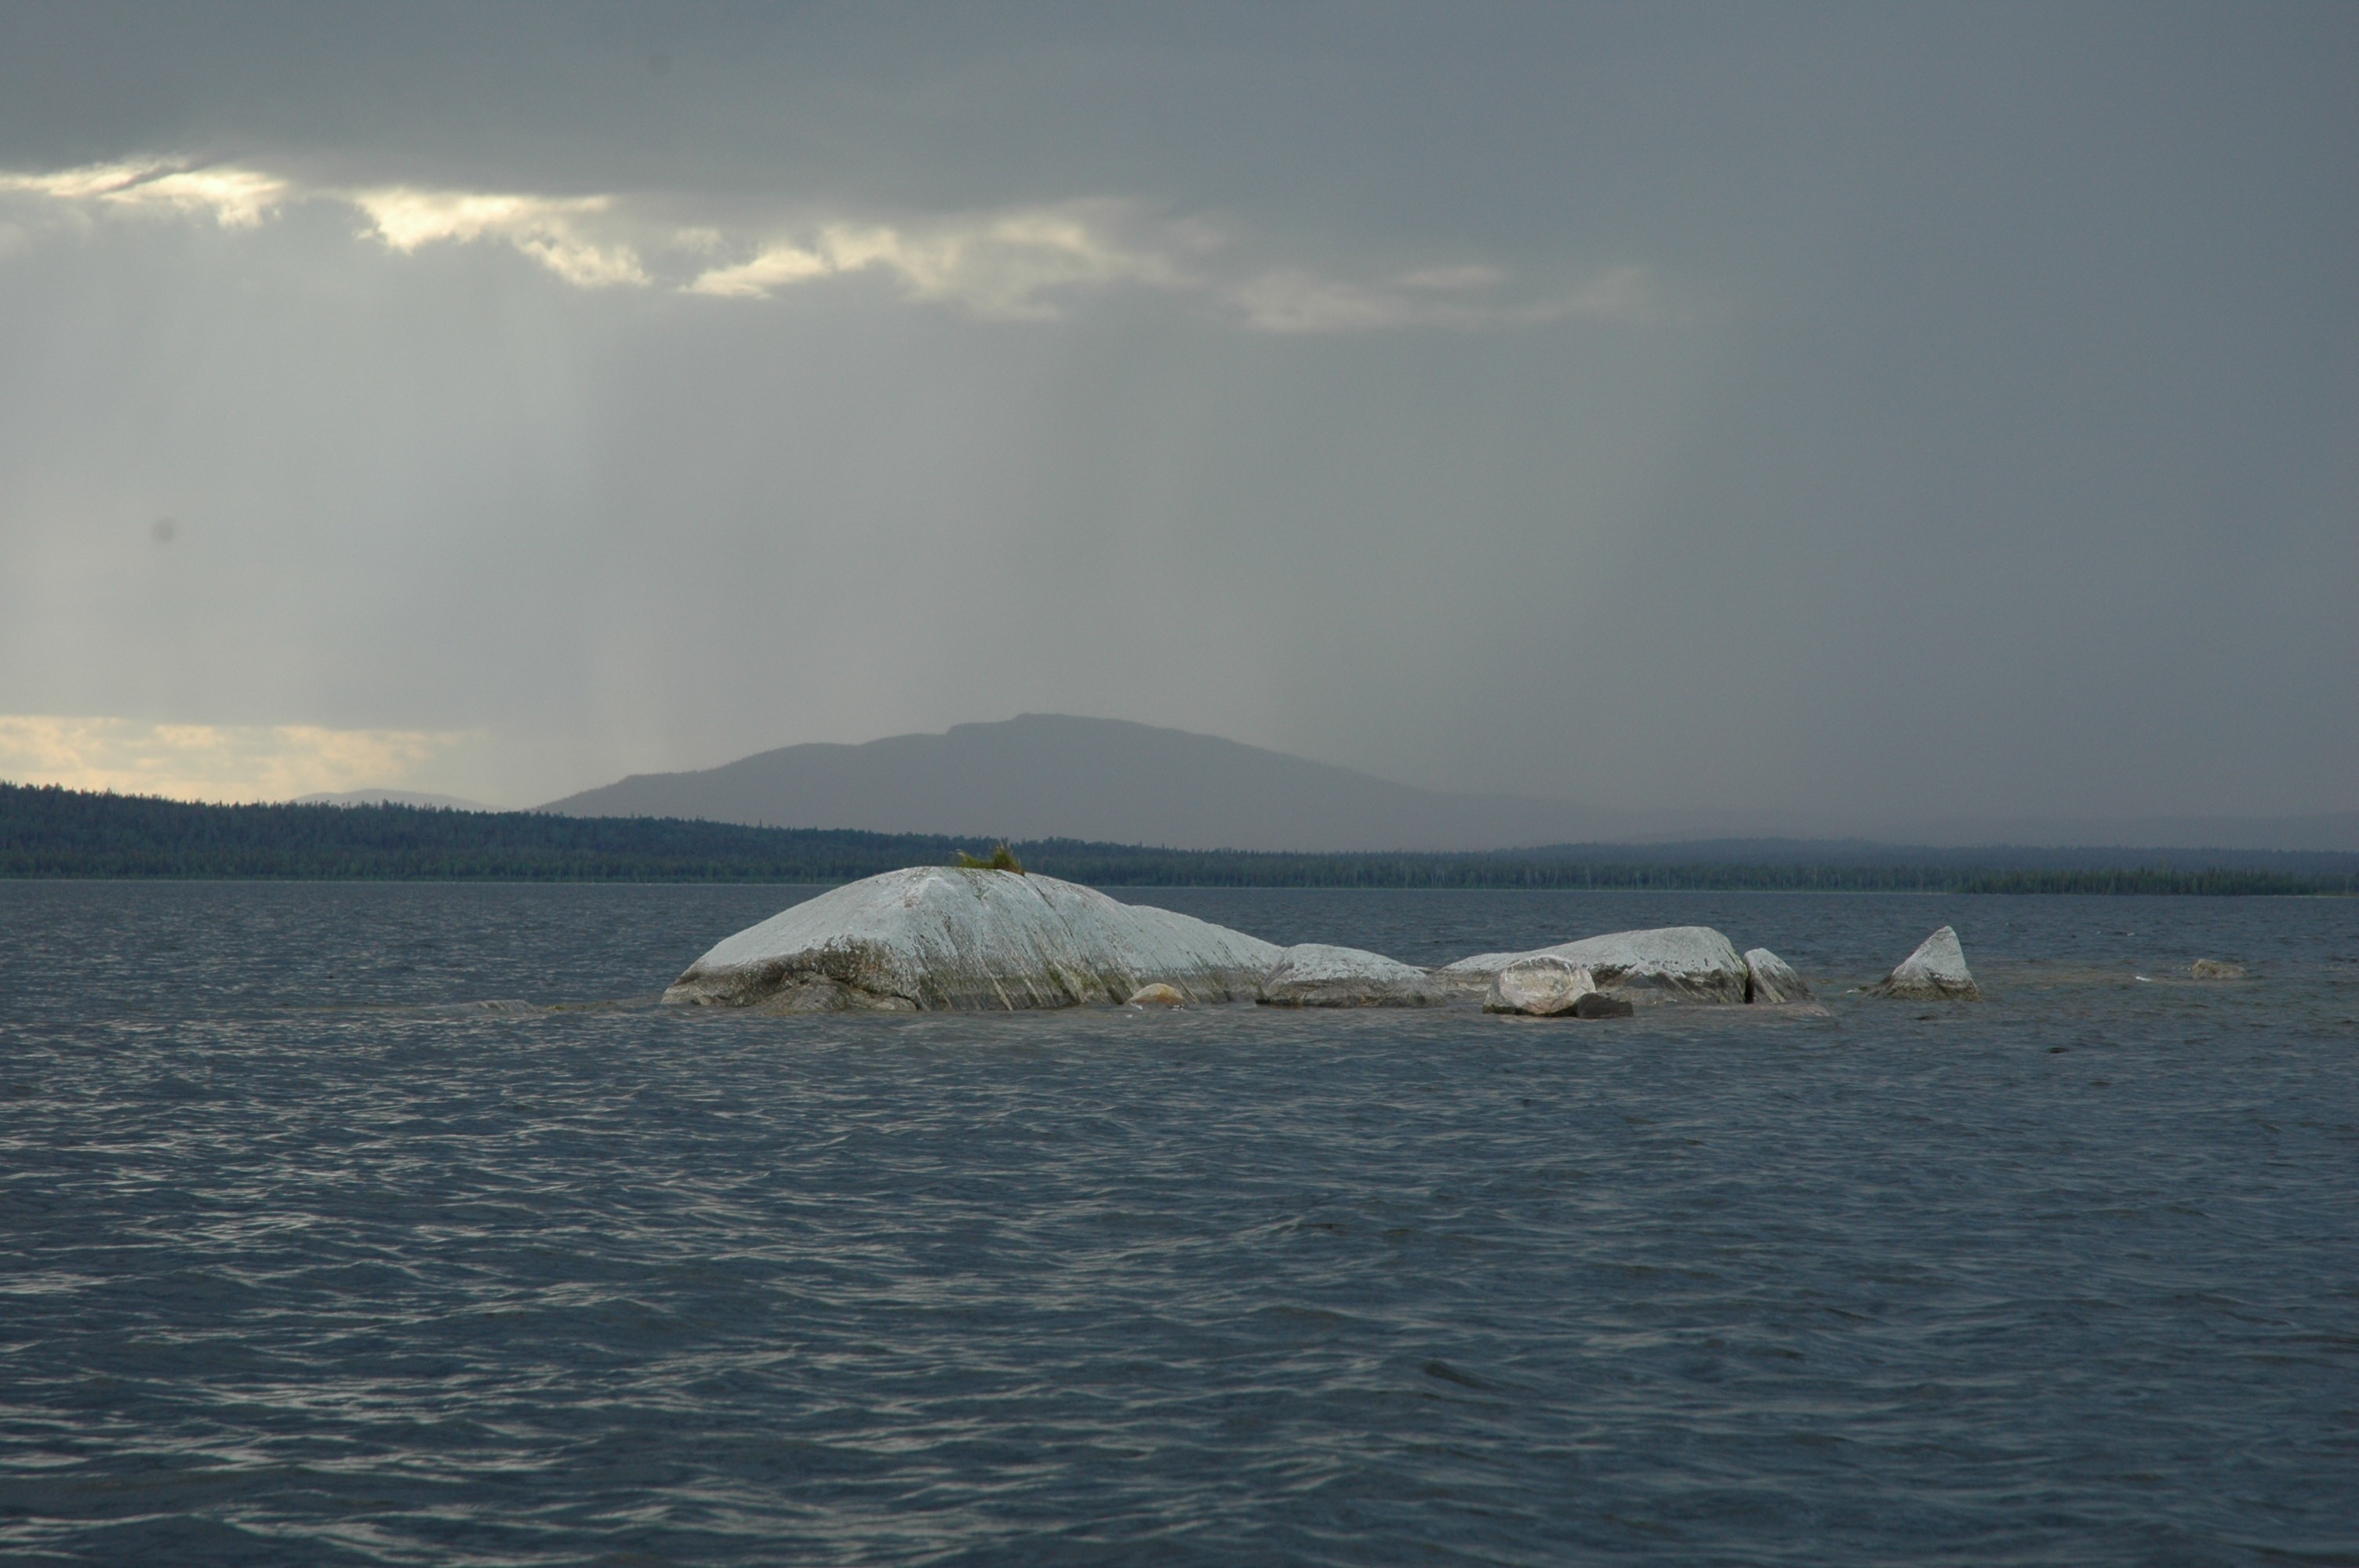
point(1672, 964)
point(2215, 970)
point(1316, 975)
point(1543, 985)
point(1772, 980)
point(1935, 972)
point(938, 936)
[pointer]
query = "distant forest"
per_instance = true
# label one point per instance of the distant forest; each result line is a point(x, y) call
point(46, 831)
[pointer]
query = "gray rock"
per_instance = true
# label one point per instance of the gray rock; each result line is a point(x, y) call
point(1541, 986)
point(2215, 970)
point(1672, 964)
point(1316, 975)
point(939, 936)
point(1935, 972)
point(1772, 978)
point(1597, 1004)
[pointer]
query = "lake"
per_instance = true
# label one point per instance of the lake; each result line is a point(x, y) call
point(394, 1224)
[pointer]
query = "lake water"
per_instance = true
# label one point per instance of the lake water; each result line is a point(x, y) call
point(392, 1223)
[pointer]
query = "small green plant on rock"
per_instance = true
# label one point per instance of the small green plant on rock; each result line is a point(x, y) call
point(1001, 858)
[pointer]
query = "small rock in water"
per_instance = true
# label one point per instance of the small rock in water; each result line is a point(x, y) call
point(1542, 986)
point(1672, 964)
point(1158, 995)
point(1772, 980)
point(1597, 1004)
point(1317, 975)
point(2215, 970)
point(1935, 972)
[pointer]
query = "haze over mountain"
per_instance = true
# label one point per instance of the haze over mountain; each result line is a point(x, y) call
point(1052, 775)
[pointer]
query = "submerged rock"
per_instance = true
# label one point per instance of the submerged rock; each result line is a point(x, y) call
point(2215, 970)
point(1772, 980)
point(1935, 972)
point(1316, 975)
point(941, 937)
point(1542, 986)
point(1672, 963)
point(1158, 995)
point(1597, 1004)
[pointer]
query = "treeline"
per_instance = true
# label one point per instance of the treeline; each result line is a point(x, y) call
point(51, 832)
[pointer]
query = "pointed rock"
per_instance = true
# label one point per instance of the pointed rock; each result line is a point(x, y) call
point(1316, 975)
point(1772, 978)
point(1935, 972)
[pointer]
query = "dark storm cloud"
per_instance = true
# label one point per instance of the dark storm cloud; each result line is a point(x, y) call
point(1970, 431)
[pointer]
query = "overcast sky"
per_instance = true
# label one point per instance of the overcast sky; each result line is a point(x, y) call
point(1877, 410)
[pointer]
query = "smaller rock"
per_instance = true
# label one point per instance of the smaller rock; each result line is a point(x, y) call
point(1316, 975)
point(1673, 964)
point(1935, 972)
point(1158, 995)
point(1542, 986)
point(1597, 1004)
point(2215, 970)
point(1771, 979)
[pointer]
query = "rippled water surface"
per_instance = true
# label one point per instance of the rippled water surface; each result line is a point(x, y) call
point(392, 1223)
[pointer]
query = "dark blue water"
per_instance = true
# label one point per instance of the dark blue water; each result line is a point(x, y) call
point(308, 1255)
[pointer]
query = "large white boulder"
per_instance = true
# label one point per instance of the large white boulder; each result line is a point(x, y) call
point(1316, 975)
point(939, 936)
point(1935, 972)
point(1543, 985)
point(1773, 980)
point(1674, 963)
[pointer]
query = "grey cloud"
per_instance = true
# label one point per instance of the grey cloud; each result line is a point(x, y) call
point(1019, 264)
point(1972, 438)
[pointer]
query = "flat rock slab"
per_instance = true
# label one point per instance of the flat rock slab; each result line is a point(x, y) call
point(1935, 972)
point(1670, 964)
point(939, 937)
point(1772, 980)
point(1317, 975)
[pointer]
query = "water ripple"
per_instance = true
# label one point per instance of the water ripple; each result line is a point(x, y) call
point(310, 1257)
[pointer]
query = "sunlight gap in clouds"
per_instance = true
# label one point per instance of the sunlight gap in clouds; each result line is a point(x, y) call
point(548, 229)
point(996, 266)
point(234, 197)
point(210, 762)
point(1007, 265)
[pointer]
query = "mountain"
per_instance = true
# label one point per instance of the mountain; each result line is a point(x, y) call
point(2324, 831)
point(1043, 775)
point(393, 797)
